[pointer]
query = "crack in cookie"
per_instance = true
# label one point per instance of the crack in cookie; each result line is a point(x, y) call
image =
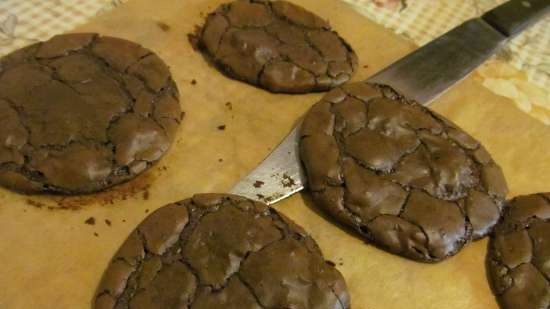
point(404, 177)
point(519, 254)
point(277, 46)
point(82, 113)
point(215, 251)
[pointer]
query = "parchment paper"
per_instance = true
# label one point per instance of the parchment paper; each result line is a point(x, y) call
point(50, 258)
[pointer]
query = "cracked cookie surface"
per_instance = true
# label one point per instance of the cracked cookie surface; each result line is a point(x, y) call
point(82, 112)
point(220, 251)
point(277, 46)
point(403, 177)
point(519, 254)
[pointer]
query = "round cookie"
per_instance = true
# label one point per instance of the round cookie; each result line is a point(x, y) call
point(82, 112)
point(277, 46)
point(402, 176)
point(519, 254)
point(220, 251)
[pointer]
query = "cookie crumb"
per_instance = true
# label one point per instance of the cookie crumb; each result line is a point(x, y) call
point(229, 106)
point(108, 222)
point(96, 234)
point(220, 160)
point(90, 221)
point(365, 66)
point(331, 263)
point(147, 210)
point(123, 220)
point(163, 26)
point(221, 127)
point(193, 82)
point(258, 184)
point(287, 181)
point(193, 39)
point(35, 203)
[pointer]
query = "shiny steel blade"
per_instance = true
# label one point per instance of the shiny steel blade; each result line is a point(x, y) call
point(278, 176)
point(432, 69)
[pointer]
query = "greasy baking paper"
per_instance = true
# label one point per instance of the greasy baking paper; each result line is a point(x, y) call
point(51, 258)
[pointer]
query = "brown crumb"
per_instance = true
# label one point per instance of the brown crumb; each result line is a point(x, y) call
point(287, 181)
point(147, 210)
point(258, 184)
point(146, 195)
point(229, 105)
point(90, 221)
point(221, 127)
point(194, 40)
point(123, 220)
point(96, 234)
point(163, 26)
point(182, 115)
point(108, 222)
point(365, 66)
point(35, 203)
point(220, 160)
point(193, 82)
point(331, 263)
point(63, 207)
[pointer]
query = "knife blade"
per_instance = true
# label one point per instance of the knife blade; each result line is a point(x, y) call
point(422, 76)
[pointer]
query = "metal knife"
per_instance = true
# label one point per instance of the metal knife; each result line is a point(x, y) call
point(422, 76)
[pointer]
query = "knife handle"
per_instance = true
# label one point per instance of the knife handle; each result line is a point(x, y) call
point(514, 16)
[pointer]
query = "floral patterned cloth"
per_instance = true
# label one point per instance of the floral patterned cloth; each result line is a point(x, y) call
point(521, 72)
point(26, 21)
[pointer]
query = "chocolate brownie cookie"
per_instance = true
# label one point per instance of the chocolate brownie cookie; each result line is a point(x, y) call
point(220, 251)
point(81, 113)
point(404, 177)
point(277, 46)
point(519, 254)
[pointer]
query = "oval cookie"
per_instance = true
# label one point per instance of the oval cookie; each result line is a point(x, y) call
point(519, 254)
point(277, 46)
point(402, 176)
point(82, 112)
point(220, 251)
